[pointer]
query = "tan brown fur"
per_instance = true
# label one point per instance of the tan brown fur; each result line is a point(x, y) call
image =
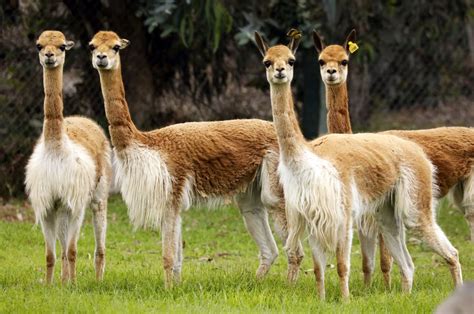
point(89, 135)
point(208, 150)
point(451, 150)
point(213, 159)
point(368, 167)
point(58, 132)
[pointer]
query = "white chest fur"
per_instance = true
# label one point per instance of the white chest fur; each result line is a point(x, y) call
point(66, 174)
point(145, 184)
point(313, 191)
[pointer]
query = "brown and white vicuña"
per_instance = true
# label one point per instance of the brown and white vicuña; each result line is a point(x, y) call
point(450, 149)
point(164, 171)
point(338, 178)
point(69, 169)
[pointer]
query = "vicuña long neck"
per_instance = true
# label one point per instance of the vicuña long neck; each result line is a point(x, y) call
point(290, 138)
point(337, 104)
point(121, 127)
point(53, 104)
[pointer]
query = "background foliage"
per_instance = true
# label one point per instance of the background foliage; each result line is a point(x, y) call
point(195, 60)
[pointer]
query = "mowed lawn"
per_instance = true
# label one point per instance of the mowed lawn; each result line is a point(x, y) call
point(218, 272)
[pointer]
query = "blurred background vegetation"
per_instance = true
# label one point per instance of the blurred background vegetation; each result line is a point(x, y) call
point(195, 60)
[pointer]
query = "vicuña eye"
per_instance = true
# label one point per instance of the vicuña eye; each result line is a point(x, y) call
point(62, 47)
point(291, 62)
point(267, 63)
point(91, 47)
point(321, 62)
point(344, 62)
point(116, 48)
point(39, 47)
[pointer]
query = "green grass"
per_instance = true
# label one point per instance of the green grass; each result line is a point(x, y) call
point(218, 272)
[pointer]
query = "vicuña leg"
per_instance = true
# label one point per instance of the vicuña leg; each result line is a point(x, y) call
point(178, 264)
point(367, 247)
point(463, 196)
point(273, 199)
point(281, 227)
point(386, 262)
point(63, 223)
point(256, 222)
point(437, 240)
point(73, 236)
point(48, 225)
point(99, 212)
point(343, 256)
point(170, 229)
point(296, 226)
point(319, 264)
point(393, 233)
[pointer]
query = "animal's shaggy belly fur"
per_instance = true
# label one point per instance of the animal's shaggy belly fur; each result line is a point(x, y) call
point(150, 187)
point(145, 184)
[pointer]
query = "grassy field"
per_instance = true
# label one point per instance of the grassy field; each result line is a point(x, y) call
point(218, 272)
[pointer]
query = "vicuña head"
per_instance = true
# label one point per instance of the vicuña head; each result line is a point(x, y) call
point(333, 59)
point(51, 48)
point(278, 60)
point(105, 47)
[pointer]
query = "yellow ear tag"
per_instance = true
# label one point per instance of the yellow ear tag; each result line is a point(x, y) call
point(352, 47)
point(294, 33)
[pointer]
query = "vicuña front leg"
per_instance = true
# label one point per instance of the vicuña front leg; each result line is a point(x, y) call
point(75, 224)
point(48, 225)
point(178, 264)
point(99, 211)
point(63, 218)
point(272, 194)
point(293, 247)
point(170, 237)
point(343, 256)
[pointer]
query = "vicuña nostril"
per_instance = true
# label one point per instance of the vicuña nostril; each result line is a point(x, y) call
point(101, 57)
point(49, 54)
point(331, 71)
point(280, 69)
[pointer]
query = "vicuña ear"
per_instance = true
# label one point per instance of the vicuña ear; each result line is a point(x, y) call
point(350, 37)
point(261, 44)
point(124, 43)
point(69, 44)
point(318, 42)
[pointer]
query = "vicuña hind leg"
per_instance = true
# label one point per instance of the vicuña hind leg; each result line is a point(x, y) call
point(393, 232)
point(367, 247)
point(386, 262)
point(437, 240)
point(99, 212)
point(256, 221)
point(319, 263)
point(463, 196)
